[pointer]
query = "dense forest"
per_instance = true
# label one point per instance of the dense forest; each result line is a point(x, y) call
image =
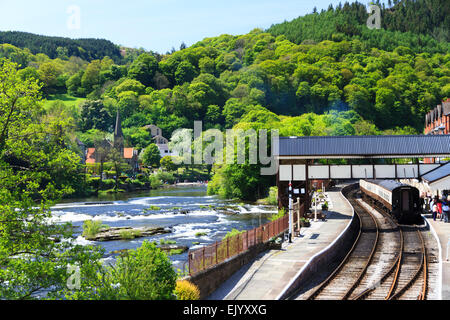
point(58, 47)
point(421, 25)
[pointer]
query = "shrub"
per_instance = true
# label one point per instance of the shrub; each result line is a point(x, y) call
point(174, 252)
point(108, 184)
point(137, 183)
point(152, 208)
point(165, 177)
point(200, 234)
point(94, 182)
point(145, 273)
point(186, 290)
point(155, 182)
point(272, 199)
point(278, 215)
point(167, 241)
point(141, 177)
point(130, 234)
point(233, 233)
point(92, 227)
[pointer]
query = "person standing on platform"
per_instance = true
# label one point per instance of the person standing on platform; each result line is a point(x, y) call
point(446, 209)
point(439, 205)
point(434, 209)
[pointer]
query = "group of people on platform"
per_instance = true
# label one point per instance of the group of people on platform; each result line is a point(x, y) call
point(440, 208)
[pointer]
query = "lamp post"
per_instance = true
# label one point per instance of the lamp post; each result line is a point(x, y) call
point(315, 206)
point(290, 212)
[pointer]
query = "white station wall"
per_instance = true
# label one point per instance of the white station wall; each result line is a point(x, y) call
point(298, 172)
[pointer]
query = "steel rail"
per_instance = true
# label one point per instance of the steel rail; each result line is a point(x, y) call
point(400, 292)
point(318, 290)
point(369, 260)
point(395, 266)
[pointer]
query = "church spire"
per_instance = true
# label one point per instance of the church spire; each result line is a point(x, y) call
point(118, 135)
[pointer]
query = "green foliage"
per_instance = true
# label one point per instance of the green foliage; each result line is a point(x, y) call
point(281, 213)
point(145, 273)
point(165, 177)
point(92, 227)
point(143, 69)
point(129, 234)
point(155, 182)
point(272, 199)
point(87, 49)
point(186, 290)
point(167, 241)
point(167, 163)
point(402, 24)
point(35, 170)
point(151, 156)
point(94, 115)
point(201, 234)
point(152, 208)
point(232, 233)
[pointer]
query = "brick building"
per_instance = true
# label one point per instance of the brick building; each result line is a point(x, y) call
point(437, 121)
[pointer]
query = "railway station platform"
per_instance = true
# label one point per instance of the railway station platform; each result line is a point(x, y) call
point(269, 274)
point(443, 233)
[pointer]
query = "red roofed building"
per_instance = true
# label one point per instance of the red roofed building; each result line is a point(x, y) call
point(130, 155)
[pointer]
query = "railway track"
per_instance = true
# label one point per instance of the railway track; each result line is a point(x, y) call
point(387, 261)
point(347, 276)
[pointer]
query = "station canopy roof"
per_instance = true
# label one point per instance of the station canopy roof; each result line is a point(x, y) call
point(341, 147)
point(437, 174)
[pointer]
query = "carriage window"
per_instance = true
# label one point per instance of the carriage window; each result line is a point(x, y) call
point(405, 200)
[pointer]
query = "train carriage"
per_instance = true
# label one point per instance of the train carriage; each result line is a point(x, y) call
point(402, 201)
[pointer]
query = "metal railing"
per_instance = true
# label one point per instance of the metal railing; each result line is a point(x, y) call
point(216, 253)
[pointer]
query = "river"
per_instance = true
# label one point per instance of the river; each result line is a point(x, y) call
point(205, 214)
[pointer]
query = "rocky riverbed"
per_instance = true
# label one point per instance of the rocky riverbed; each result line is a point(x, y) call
point(126, 233)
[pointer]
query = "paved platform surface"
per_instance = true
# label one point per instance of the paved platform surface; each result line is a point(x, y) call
point(268, 275)
point(443, 232)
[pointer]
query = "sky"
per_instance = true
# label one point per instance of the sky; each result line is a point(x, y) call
point(156, 25)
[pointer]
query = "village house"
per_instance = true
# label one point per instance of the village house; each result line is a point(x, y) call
point(161, 142)
point(130, 155)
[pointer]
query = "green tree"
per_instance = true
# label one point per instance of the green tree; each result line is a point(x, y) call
point(151, 156)
point(94, 115)
point(143, 69)
point(185, 72)
point(35, 170)
point(167, 163)
point(119, 165)
point(91, 76)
